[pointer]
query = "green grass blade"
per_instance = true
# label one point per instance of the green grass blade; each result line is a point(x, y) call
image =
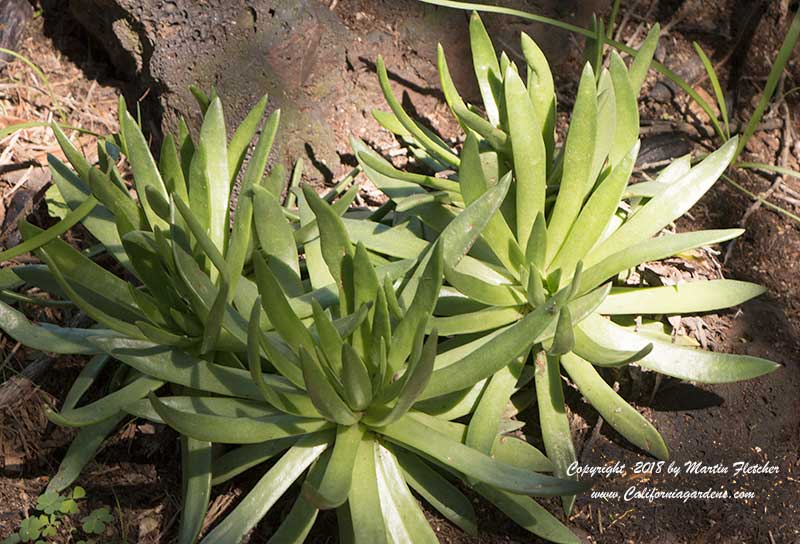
point(716, 87)
point(784, 54)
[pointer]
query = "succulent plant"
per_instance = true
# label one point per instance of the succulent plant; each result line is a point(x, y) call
point(550, 223)
point(271, 342)
point(374, 357)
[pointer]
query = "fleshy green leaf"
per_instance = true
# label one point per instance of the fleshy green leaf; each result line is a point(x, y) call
point(528, 514)
point(364, 499)
point(626, 131)
point(355, 379)
point(668, 205)
point(530, 155)
point(334, 485)
point(484, 60)
point(578, 153)
point(462, 232)
point(596, 214)
point(485, 421)
point(615, 411)
point(410, 433)
point(145, 171)
point(322, 393)
point(553, 418)
point(437, 490)
point(235, 429)
point(107, 406)
point(641, 62)
point(268, 490)
point(48, 338)
point(680, 362)
point(276, 237)
point(683, 298)
point(209, 187)
point(335, 243)
point(404, 519)
point(542, 93)
point(434, 147)
point(237, 148)
point(652, 250)
point(196, 470)
point(243, 219)
point(81, 450)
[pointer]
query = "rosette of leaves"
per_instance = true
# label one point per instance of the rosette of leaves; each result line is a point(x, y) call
point(175, 269)
point(342, 414)
point(268, 338)
point(553, 218)
point(173, 264)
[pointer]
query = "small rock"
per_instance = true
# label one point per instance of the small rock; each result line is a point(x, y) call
point(661, 92)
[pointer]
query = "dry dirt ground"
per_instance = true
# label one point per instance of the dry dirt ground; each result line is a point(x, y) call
point(137, 471)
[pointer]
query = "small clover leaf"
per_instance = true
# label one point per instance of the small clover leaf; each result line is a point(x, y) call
point(78, 492)
point(68, 506)
point(96, 521)
point(31, 528)
point(49, 502)
point(11, 539)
